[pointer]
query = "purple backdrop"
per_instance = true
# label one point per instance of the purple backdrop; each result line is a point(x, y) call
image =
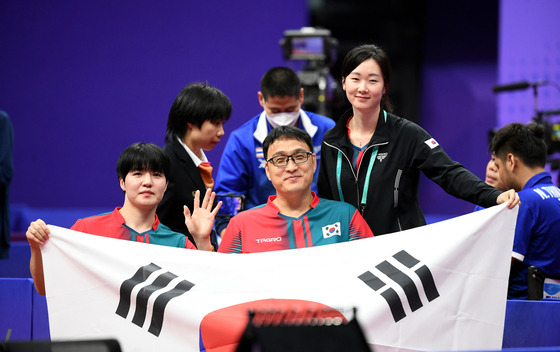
point(529, 51)
point(458, 106)
point(83, 80)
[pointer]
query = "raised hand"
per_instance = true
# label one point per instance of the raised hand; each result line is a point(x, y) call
point(201, 221)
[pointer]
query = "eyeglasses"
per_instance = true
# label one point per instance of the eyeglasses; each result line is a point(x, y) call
point(297, 158)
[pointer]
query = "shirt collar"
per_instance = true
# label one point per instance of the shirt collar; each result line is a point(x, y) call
point(304, 121)
point(197, 161)
point(117, 214)
point(271, 199)
point(538, 178)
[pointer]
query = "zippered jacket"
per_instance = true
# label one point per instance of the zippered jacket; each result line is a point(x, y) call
point(400, 150)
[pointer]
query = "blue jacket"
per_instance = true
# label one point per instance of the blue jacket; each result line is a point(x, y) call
point(537, 233)
point(241, 169)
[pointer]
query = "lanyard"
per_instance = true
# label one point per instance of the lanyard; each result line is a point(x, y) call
point(363, 202)
point(368, 175)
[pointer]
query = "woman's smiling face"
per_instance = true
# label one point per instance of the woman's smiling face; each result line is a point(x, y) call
point(364, 86)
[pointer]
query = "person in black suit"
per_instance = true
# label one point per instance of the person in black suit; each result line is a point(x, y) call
point(195, 124)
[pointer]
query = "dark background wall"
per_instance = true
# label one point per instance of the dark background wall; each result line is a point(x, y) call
point(457, 105)
point(83, 80)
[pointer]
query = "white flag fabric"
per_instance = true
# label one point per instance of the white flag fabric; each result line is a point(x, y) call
point(437, 287)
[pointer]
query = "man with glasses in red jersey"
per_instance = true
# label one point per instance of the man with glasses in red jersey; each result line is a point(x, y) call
point(295, 217)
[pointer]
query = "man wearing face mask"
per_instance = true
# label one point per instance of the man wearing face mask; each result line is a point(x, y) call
point(241, 169)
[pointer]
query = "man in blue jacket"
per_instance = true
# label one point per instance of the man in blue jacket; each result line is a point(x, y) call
point(519, 153)
point(241, 169)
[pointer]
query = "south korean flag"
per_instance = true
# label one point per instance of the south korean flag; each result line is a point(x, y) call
point(432, 143)
point(331, 230)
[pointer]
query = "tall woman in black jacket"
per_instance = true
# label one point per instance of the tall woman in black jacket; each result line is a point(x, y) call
point(372, 159)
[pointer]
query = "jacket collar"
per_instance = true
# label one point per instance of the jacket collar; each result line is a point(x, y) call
point(116, 214)
point(304, 121)
point(196, 160)
point(179, 150)
point(184, 153)
point(537, 179)
point(187, 164)
point(270, 202)
point(340, 132)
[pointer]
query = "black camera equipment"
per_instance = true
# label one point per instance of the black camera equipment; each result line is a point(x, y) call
point(316, 50)
point(295, 330)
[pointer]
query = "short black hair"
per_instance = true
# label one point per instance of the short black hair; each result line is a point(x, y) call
point(196, 103)
point(524, 141)
point(280, 82)
point(288, 132)
point(143, 156)
point(365, 52)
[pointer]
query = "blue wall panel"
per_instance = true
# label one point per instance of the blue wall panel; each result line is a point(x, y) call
point(16, 309)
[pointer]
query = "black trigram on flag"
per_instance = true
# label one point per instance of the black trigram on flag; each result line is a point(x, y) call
point(159, 284)
point(404, 281)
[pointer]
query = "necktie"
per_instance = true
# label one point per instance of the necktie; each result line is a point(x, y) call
point(206, 172)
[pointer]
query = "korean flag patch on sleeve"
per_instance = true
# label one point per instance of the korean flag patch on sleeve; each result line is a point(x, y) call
point(432, 143)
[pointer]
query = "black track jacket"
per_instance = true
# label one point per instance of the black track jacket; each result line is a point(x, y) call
point(403, 150)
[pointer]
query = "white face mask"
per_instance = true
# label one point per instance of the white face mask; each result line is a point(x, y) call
point(282, 118)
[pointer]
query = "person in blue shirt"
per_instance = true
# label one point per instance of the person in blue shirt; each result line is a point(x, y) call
point(519, 153)
point(242, 165)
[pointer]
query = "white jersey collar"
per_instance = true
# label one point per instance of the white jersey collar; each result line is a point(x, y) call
point(197, 161)
point(262, 126)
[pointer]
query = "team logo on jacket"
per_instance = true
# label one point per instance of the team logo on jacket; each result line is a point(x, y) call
point(432, 143)
point(331, 230)
point(269, 239)
point(400, 274)
point(152, 282)
point(381, 156)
